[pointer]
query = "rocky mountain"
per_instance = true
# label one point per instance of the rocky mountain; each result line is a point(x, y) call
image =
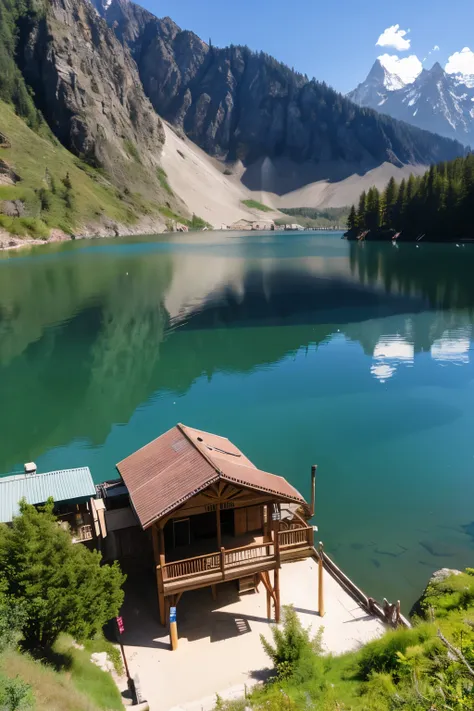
point(236, 104)
point(436, 101)
point(85, 86)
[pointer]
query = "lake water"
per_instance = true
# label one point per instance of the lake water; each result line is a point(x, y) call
point(301, 348)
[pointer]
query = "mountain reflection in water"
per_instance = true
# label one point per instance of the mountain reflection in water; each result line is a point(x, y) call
point(301, 348)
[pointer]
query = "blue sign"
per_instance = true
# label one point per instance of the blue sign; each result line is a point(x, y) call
point(172, 614)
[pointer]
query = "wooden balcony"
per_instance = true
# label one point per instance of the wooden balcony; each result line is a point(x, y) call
point(82, 534)
point(234, 563)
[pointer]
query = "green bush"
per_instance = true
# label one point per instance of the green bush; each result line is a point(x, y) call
point(291, 644)
point(15, 695)
point(382, 655)
point(25, 226)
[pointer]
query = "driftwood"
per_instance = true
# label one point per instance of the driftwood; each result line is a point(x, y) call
point(456, 653)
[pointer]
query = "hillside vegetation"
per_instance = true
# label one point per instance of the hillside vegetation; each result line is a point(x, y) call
point(51, 593)
point(437, 206)
point(56, 188)
point(426, 668)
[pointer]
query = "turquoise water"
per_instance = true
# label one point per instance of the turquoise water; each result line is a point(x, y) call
point(301, 348)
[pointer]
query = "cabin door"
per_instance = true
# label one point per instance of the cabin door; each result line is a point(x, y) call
point(181, 532)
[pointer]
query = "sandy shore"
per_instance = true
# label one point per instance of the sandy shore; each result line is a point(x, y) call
point(219, 641)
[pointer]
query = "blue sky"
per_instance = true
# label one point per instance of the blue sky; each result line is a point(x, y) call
point(334, 41)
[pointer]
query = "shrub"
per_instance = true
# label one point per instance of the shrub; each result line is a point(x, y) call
point(290, 644)
point(382, 655)
point(67, 182)
point(15, 695)
point(45, 199)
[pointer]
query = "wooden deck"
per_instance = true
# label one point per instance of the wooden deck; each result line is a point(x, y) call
point(234, 563)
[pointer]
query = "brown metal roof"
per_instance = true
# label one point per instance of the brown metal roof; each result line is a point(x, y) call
point(182, 462)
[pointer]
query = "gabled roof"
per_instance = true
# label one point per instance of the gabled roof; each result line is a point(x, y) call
point(173, 468)
point(62, 485)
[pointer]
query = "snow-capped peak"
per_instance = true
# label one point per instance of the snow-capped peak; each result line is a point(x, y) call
point(435, 100)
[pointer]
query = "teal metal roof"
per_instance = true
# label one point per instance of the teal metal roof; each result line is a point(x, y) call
point(63, 485)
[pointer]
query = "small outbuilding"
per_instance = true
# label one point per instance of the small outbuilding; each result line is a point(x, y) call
point(71, 490)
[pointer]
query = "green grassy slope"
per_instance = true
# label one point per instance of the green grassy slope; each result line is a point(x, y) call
point(43, 164)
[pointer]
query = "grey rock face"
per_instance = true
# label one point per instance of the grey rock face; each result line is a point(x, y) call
point(442, 574)
point(88, 88)
point(237, 104)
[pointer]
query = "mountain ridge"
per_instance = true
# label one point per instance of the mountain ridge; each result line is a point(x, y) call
point(107, 76)
point(436, 101)
point(240, 105)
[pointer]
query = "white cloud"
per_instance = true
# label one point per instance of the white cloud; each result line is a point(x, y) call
point(407, 68)
point(435, 48)
point(394, 37)
point(461, 62)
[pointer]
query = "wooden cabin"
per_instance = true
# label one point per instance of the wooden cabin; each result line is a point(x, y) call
point(214, 516)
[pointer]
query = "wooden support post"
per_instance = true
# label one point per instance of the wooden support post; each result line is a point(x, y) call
point(321, 580)
point(214, 592)
point(160, 547)
point(223, 563)
point(277, 594)
point(266, 523)
point(219, 534)
point(277, 544)
point(173, 626)
point(161, 595)
point(313, 488)
point(265, 578)
point(156, 556)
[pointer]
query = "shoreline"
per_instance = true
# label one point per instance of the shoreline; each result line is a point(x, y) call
point(390, 236)
point(146, 226)
point(11, 243)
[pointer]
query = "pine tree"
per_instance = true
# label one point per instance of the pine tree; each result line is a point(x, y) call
point(352, 219)
point(361, 211)
point(372, 212)
point(389, 201)
point(61, 587)
point(438, 204)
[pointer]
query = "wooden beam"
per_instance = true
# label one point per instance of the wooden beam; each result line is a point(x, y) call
point(276, 586)
point(321, 580)
point(161, 596)
point(161, 538)
point(156, 545)
point(219, 534)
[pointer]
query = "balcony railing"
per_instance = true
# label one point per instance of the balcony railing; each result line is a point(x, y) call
point(233, 562)
point(81, 534)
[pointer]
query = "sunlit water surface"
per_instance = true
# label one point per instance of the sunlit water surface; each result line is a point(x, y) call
point(302, 348)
